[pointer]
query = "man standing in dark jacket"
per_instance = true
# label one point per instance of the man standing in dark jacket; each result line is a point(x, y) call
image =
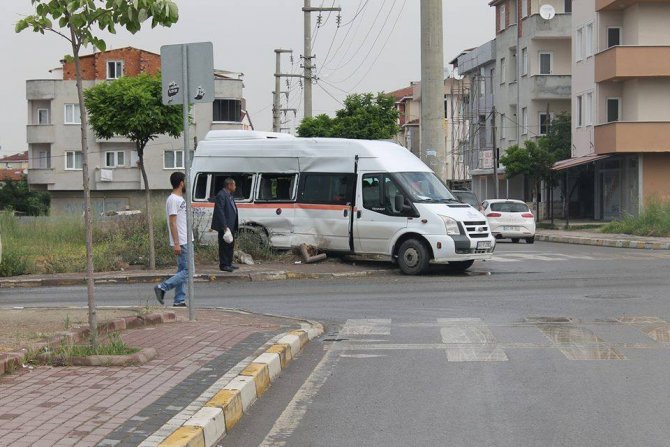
point(225, 218)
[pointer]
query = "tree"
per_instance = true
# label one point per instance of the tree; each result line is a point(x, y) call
point(364, 117)
point(132, 107)
point(15, 195)
point(533, 161)
point(74, 21)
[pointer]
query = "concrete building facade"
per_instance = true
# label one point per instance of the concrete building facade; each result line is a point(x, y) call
point(53, 135)
point(621, 104)
point(533, 75)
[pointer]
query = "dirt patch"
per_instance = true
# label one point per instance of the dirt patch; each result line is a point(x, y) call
point(20, 328)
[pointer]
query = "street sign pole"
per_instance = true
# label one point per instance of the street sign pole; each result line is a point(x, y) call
point(187, 184)
point(188, 78)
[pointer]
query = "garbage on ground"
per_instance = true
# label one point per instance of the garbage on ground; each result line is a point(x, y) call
point(310, 254)
point(244, 258)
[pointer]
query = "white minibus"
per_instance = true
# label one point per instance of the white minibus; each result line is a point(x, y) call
point(369, 198)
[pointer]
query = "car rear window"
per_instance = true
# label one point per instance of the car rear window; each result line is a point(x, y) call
point(509, 207)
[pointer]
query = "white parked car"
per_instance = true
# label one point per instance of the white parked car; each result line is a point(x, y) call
point(510, 219)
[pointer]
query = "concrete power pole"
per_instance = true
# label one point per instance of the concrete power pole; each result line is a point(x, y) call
point(308, 63)
point(432, 87)
point(276, 95)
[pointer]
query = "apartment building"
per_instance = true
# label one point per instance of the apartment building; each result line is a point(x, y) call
point(477, 66)
point(408, 104)
point(533, 75)
point(53, 134)
point(15, 162)
point(621, 105)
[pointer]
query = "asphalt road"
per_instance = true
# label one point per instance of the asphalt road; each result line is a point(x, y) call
point(547, 345)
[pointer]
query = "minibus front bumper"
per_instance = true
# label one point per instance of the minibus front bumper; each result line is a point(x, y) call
point(456, 248)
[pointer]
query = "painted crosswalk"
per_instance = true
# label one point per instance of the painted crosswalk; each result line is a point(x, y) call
point(472, 339)
point(522, 256)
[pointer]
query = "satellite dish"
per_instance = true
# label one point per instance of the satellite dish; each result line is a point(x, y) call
point(547, 12)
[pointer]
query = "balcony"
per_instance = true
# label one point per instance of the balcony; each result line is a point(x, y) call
point(617, 5)
point(623, 137)
point(41, 133)
point(39, 90)
point(620, 63)
point(560, 27)
point(41, 176)
point(119, 178)
point(544, 87)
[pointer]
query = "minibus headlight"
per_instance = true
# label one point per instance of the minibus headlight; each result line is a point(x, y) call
point(451, 225)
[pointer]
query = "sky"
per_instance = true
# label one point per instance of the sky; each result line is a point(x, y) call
point(375, 48)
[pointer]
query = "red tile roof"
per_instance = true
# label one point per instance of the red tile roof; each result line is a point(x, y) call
point(402, 93)
point(23, 156)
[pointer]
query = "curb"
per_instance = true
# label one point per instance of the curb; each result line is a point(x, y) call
point(227, 407)
point(614, 243)
point(10, 361)
point(278, 275)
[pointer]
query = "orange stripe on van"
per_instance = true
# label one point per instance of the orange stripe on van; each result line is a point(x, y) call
point(304, 206)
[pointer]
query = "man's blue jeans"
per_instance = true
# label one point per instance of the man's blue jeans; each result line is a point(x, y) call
point(179, 280)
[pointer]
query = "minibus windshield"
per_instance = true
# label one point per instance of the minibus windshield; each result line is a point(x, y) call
point(424, 187)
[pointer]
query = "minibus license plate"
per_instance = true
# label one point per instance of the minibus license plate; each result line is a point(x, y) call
point(484, 245)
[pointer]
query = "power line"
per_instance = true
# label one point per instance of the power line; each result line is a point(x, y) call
point(330, 94)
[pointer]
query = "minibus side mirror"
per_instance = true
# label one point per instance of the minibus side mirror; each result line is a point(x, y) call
point(399, 203)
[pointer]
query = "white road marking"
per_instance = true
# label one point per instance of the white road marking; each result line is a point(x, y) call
point(366, 327)
point(470, 340)
point(362, 356)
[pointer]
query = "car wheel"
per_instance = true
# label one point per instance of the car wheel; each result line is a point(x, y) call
point(530, 240)
point(413, 257)
point(460, 266)
point(515, 240)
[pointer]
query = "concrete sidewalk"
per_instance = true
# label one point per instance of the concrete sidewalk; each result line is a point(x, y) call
point(123, 406)
point(211, 273)
point(603, 239)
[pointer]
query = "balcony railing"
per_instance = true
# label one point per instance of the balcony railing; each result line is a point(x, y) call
point(622, 62)
point(560, 27)
point(617, 5)
point(41, 133)
point(37, 90)
point(642, 136)
point(550, 87)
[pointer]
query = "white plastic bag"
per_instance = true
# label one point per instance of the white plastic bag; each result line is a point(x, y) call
point(228, 236)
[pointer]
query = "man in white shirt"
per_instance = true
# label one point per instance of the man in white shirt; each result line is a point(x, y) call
point(175, 208)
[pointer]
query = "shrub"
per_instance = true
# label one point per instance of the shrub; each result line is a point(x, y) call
point(653, 221)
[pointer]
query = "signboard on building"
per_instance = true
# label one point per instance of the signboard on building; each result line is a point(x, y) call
point(486, 160)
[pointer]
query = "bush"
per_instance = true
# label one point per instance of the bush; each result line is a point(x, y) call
point(653, 221)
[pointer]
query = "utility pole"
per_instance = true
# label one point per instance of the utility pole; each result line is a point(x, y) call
point(308, 64)
point(276, 102)
point(495, 154)
point(432, 87)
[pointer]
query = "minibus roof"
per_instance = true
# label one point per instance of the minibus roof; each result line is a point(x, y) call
point(254, 153)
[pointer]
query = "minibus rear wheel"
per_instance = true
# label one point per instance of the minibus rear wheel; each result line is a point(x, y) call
point(413, 257)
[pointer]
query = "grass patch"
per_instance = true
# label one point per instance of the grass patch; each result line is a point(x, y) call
point(653, 221)
point(112, 346)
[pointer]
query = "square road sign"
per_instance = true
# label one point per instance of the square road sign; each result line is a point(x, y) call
point(199, 59)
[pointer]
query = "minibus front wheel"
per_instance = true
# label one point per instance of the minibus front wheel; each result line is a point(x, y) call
point(413, 257)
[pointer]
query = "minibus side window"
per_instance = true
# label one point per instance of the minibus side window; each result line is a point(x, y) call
point(379, 192)
point(277, 187)
point(244, 183)
point(327, 189)
point(200, 187)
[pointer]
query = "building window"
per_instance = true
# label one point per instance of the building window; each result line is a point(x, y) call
point(579, 44)
point(613, 36)
point(114, 69)
point(42, 116)
point(115, 159)
point(41, 159)
point(482, 131)
point(568, 6)
point(588, 40)
point(545, 120)
point(580, 108)
point(173, 160)
point(524, 121)
point(524, 8)
point(491, 79)
point(503, 69)
point(613, 109)
point(588, 109)
point(503, 127)
point(513, 12)
point(545, 63)
point(73, 160)
point(72, 114)
point(482, 82)
point(524, 61)
point(513, 65)
point(229, 110)
point(502, 21)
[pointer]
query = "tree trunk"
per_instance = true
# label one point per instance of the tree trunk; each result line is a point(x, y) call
point(537, 200)
point(147, 197)
point(92, 315)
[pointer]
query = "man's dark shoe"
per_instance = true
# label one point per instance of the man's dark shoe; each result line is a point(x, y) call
point(235, 267)
point(227, 269)
point(160, 294)
point(182, 304)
